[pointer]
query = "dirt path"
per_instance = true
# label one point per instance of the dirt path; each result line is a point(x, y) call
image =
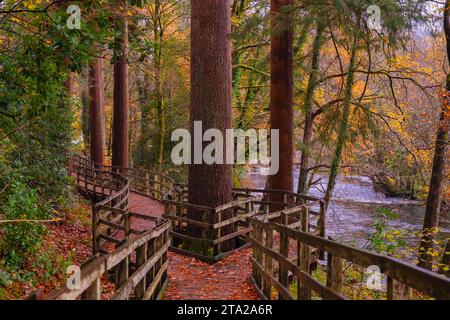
point(195, 280)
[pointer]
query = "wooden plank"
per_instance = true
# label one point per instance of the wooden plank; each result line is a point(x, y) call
point(94, 292)
point(141, 258)
point(189, 221)
point(108, 238)
point(127, 287)
point(156, 281)
point(189, 238)
point(284, 251)
point(397, 290)
point(268, 264)
point(232, 235)
point(111, 224)
point(89, 274)
point(307, 279)
point(144, 217)
point(240, 217)
point(125, 250)
point(304, 264)
point(284, 293)
point(335, 275)
point(258, 256)
point(428, 282)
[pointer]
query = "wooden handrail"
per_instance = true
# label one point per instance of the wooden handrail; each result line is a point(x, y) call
point(109, 190)
point(397, 271)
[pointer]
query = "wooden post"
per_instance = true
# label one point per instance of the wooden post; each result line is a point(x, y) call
point(127, 224)
point(95, 231)
point(141, 258)
point(268, 263)
point(151, 249)
point(217, 233)
point(335, 275)
point(304, 293)
point(122, 272)
point(284, 250)
point(285, 202)
point(322, 226)
point(397, 290)
point(94, 292)
point(258, 255)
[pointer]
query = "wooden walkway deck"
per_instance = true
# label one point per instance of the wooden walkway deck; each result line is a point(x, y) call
point(190, 279)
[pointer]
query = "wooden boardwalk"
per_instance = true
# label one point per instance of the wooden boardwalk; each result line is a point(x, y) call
point(131, 212)
point(190, 279)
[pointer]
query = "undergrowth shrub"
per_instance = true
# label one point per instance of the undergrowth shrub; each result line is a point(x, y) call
point(21, 239)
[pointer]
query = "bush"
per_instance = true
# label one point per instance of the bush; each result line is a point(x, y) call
point(21, 240)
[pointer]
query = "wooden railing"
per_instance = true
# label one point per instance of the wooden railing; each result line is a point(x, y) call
point(293, 204)
point(213, 223)
point(108, 187)
point(282, 265)
point(229, 222)
point(139, 267)
point(152, 184)
point(137, 260)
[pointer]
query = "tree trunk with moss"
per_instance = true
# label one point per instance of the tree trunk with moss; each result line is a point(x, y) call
point(434, 199)
point(120, 117)
point(343, 129)
point(302, 186)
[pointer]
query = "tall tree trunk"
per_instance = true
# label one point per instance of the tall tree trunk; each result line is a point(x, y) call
point(69, 83)
point(158, 31)
point(85, 110)
point(120, 117)
point(343, 129)
point(142, 148)
point(302, 187)
point(96, 124)
point(210, 185)
point(281, 92)
point(434, 199)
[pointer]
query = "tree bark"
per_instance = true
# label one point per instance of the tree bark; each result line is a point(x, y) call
point(85, 109)
point(120, 117)
point(302, 186)
point(281, 93)
point(158, 31)
point(69, 83)
point(96, 125)
point(434, 199)
point(210, 185)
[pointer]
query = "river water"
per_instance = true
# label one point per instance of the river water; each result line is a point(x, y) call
point(352, 212)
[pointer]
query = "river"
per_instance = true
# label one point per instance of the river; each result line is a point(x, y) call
point(353, 208)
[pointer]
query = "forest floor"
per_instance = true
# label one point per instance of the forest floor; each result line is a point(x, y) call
point(65, 243)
